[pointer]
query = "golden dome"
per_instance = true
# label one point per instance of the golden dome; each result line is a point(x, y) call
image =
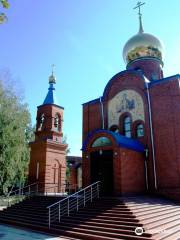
point(52, 78)
point(143, 45)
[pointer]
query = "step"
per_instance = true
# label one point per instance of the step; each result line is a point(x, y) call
point(19, 222)
point(170, 234)
point(106, 211)
point(98, 228)
point(146, 206)
point(94, 223)
point(99, 216)
point(95, 211)
point(24, 219)
point(164, 226)
point(109, 204)
point(107, 207)
point(162, 222)
point(65, 230)
point(159, 215)
point(159, 218)
point(25, 210)
point(24, 214)
point(35, 204)
point(106, 214)
point(15, 208)
point(153, 209)
point(115, 221)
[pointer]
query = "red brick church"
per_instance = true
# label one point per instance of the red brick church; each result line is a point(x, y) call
point(131, 144)
point(131, 134)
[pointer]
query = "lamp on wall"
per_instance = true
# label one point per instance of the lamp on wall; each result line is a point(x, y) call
point(146, 150)
point(100, 152)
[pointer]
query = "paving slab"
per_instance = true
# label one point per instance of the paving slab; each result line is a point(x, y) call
point(11, 233)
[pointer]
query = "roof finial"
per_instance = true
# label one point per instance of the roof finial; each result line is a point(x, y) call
point(139, 4)
point(53, 67)
point(52, 78)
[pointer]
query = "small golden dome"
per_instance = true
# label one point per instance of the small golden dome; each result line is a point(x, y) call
point(52, 78)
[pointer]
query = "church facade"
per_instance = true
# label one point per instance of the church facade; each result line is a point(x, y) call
point(131, 134)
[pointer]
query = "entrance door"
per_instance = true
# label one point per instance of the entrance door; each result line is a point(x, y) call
point(57, 177)
point(102, 170)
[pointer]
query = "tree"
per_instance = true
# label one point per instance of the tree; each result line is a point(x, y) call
point(15, 134)
point(64, 140)
point(4, 4)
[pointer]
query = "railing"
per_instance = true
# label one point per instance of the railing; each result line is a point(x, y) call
point(35, 189)
point(27, 190)
point(73, 202)
point(18, 195)
point(64, 189)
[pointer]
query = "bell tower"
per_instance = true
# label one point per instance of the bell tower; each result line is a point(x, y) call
point(48, 153)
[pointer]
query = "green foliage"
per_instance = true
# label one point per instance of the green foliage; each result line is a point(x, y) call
point(15, 134)
point(64, 140)
point(4, 4)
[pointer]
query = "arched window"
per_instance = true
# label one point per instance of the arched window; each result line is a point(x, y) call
point(127, 126)
point(41, 121)
point(101, 142)
point(140, 130)
point(57, 122)
point(114, 128)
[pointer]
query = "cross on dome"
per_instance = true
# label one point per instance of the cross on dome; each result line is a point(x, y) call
point(53, 67)
point(139, 5)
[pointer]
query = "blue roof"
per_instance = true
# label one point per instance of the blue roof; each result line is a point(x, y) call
point(121, 140)
point(51, 97)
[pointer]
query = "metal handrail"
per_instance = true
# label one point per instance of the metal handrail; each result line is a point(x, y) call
point(73, 202)
point(21, 190)
point(63, 187)
point(33, 189)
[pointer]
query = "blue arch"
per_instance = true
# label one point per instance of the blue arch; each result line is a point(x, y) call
point(120, 140)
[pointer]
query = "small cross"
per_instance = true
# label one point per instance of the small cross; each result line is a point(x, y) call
point(53, 67)
point(139, 4)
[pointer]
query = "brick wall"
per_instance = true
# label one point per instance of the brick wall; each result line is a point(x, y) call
point(132, 176)
point(166, 118)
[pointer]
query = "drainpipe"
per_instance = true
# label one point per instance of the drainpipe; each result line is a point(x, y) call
point(151, 133)
point(102, 112)
point(146, 169)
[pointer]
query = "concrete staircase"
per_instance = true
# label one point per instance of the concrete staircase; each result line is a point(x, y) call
point(107, 218)
point(160, 217)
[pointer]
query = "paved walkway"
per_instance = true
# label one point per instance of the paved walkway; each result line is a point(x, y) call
point(10, 233)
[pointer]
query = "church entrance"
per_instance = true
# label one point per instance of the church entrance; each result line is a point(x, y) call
point(102, 169)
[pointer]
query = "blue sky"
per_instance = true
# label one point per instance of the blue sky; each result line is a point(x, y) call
point(84, 39)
